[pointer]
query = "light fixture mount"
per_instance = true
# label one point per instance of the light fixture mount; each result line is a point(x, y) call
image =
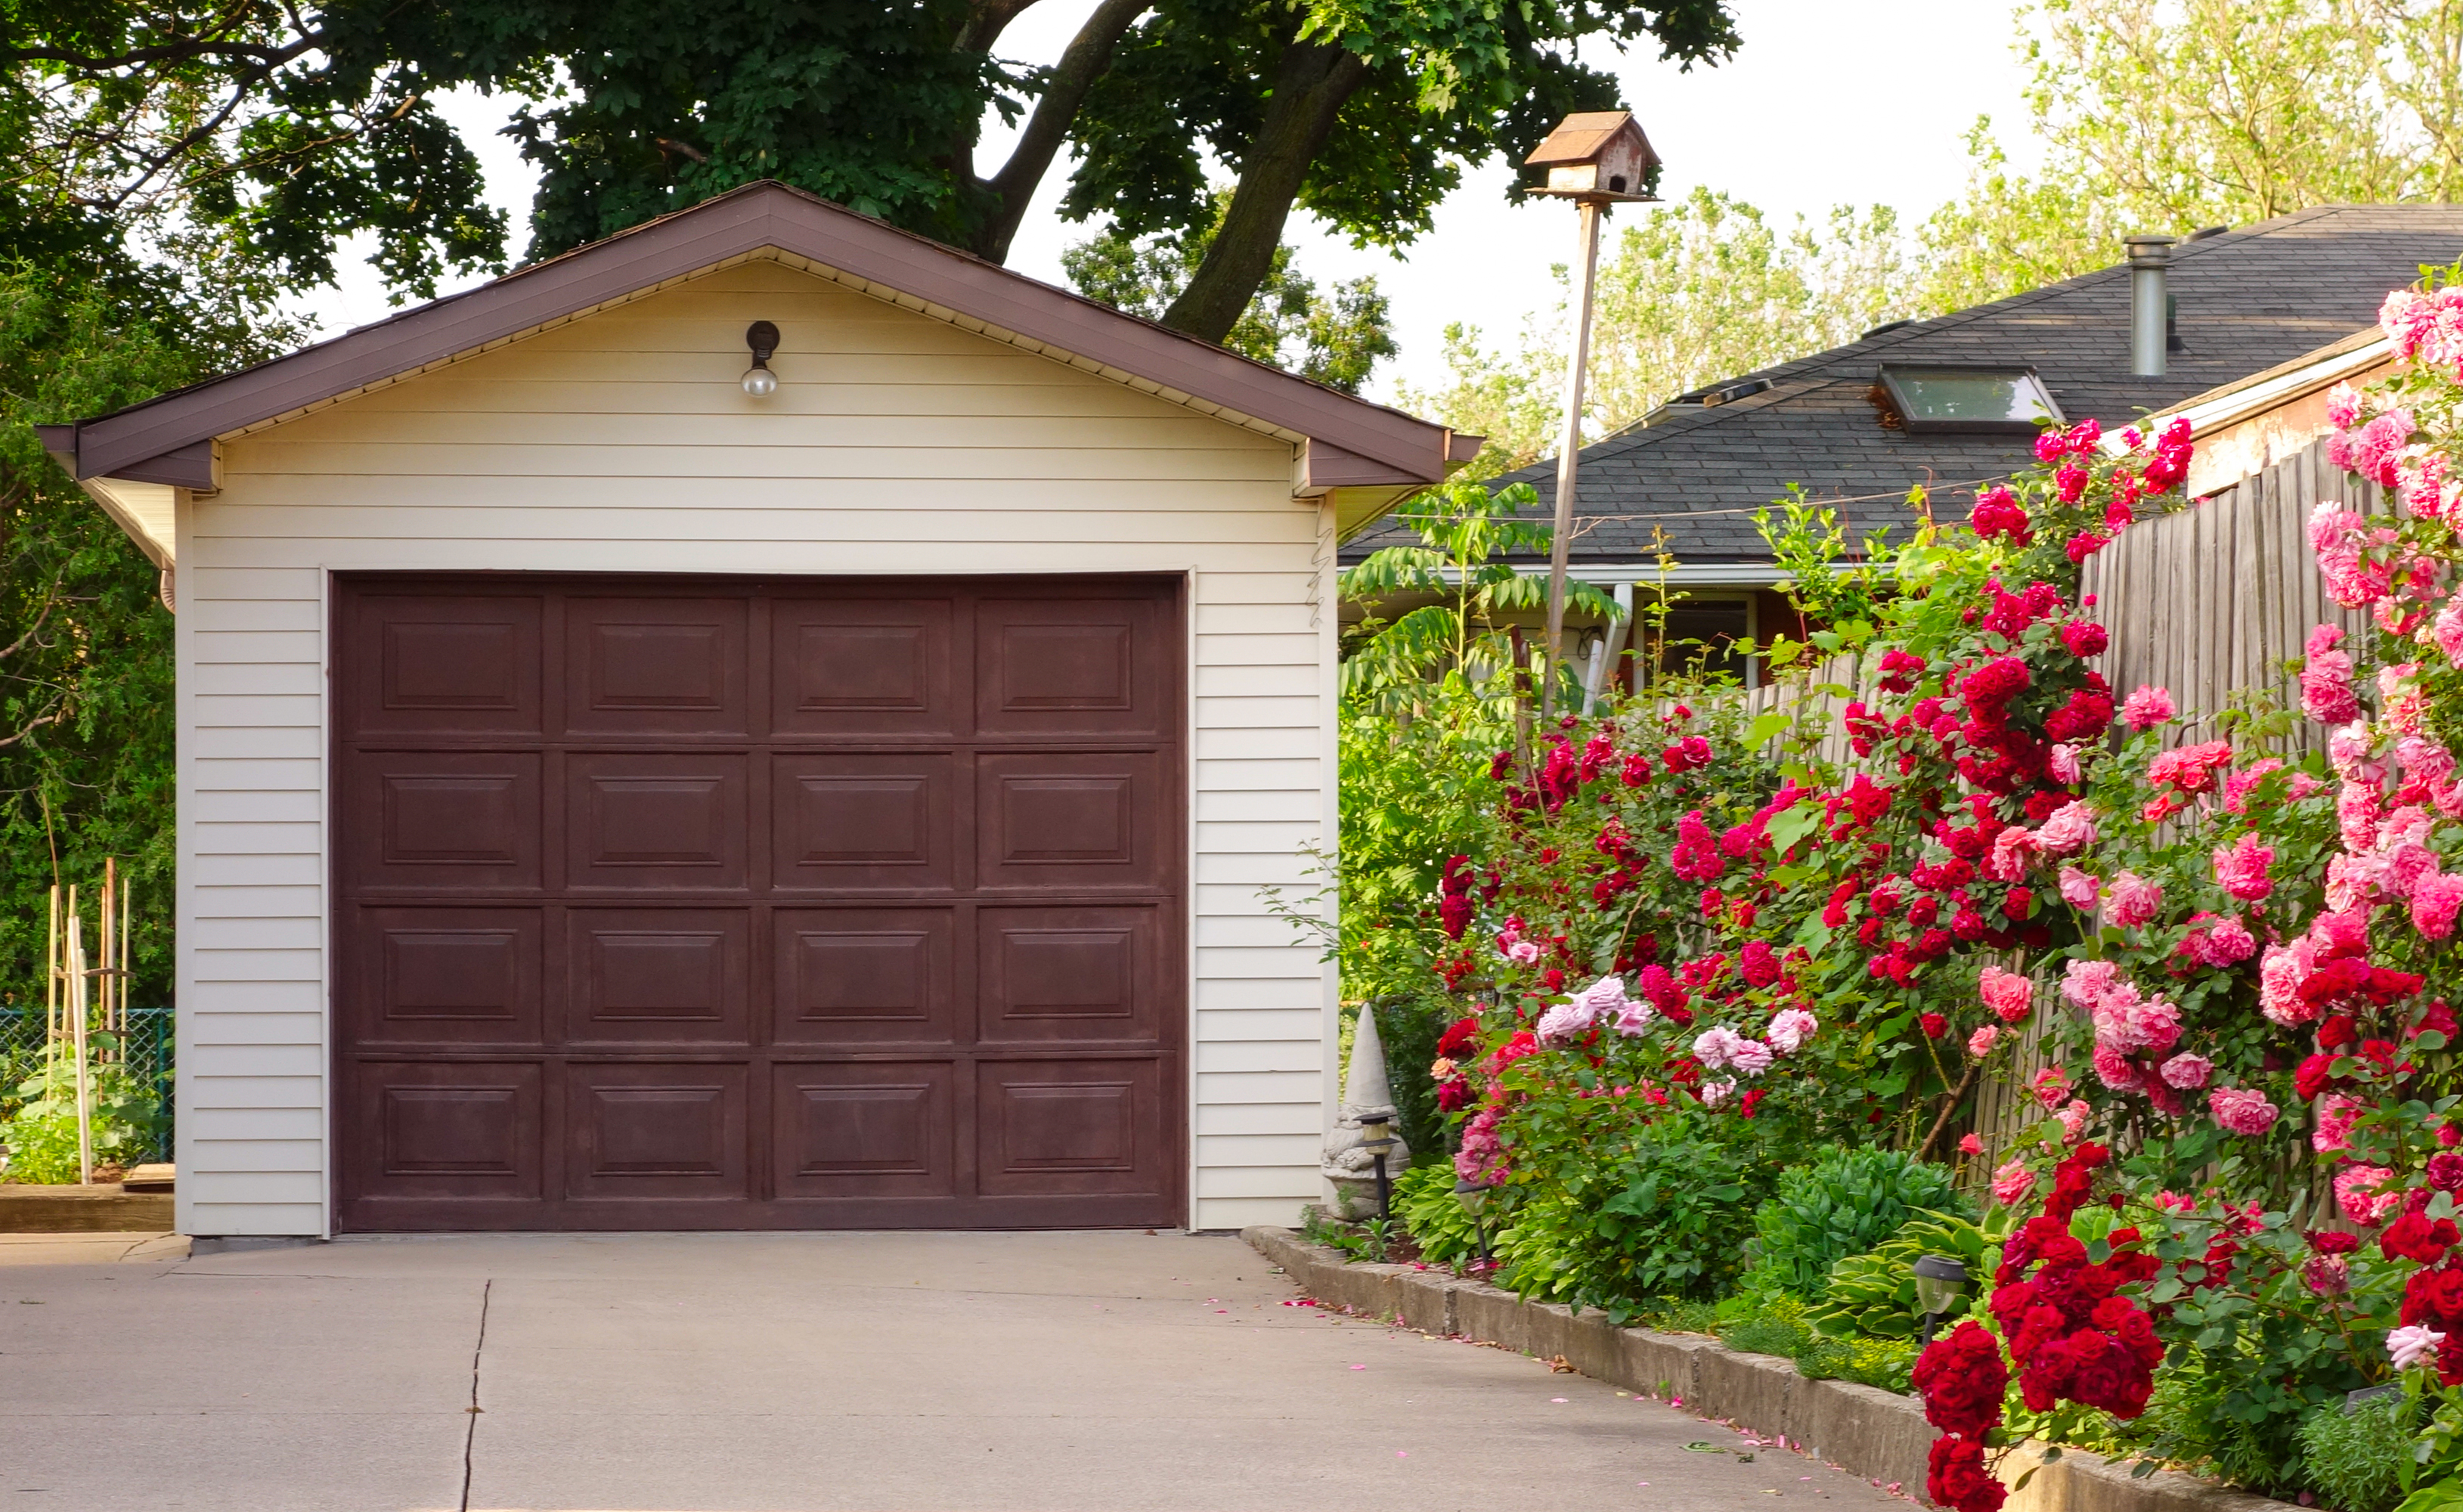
point(763, 338)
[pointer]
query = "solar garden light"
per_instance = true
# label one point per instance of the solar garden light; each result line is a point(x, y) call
point(1473, 1198)
point(1939, 1282)
point(1379, 1131)
point(1596, 159)
point(758, 380)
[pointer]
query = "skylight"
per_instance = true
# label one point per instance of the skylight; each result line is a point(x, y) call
point(2009, 400)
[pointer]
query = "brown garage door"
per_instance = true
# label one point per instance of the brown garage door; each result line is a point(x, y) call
point(671, 904)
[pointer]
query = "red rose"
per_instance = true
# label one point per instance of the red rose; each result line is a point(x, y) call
point(2312, 1078)
point(1956, 1477)
point(1934, 1025)
point(1962, 1379)
point(2413, 1237)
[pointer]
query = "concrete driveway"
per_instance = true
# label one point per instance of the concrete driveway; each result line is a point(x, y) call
point(812, 1370)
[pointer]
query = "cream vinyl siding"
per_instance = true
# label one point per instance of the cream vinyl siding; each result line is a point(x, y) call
point(620, 442)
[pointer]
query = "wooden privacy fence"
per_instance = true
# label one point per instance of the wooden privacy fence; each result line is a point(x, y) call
point(2210, 602)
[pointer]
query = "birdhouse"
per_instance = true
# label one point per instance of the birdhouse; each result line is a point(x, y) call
point(1600, 156)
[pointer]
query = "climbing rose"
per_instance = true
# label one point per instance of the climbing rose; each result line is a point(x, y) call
point(2009, 995)
point(1997, 514)
point(2242, 1110)
point(2242, 870)
point(1789, 1029)
point(1980, 1045)
point(1962, 1379)
point(2327, 693)
point(2228, 944)
point(1716, 1048)
point(2357, 1193)
point(2134, 902)
point(2084, 638)
point(2436, 898)
point(2146, 708)
point(2186, 1072)
point(1969, 1144)
point(2012, 1181)
point(2078, 889)
point(1752, 1056)
point(2069, 830)
point(1934, 1024)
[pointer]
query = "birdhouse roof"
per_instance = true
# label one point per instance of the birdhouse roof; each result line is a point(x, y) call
point(1580, 137)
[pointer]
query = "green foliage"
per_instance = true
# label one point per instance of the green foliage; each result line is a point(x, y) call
point(1873, 1295)
point(1334, 337)
point(1423, 1198)
point(1886, 1363)
point(86, 767)
point(2354, 1456)
point(1843, 1204)
point(1614, 1215)
point(124, 1119)
point(1765, 1325)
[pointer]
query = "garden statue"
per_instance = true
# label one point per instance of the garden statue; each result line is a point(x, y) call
point(1349, 1162)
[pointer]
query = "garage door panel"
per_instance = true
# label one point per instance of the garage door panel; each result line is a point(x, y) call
point(844, 667)
point(1071, 667)
point(657, 823)
point(872, 1129)
point(672, 665)
point(461, 1130)
point(445, 976)
point(443, 821)
point(677, 903)
point(864, 823)
point(866, 976)
point(658, 975)
point(1069, 1127)
point(673, 1131)
point(1049, 822)
point(435, 664)
point(1054, 976)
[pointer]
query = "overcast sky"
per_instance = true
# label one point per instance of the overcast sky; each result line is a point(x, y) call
point(1825, 103)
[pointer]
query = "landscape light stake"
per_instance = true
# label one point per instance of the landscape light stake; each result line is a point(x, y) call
point(1596, 159)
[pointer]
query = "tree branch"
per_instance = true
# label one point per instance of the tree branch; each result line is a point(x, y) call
point(1088, 55)
point(1957, 1095)
point(1311, 85)
point(986, 21)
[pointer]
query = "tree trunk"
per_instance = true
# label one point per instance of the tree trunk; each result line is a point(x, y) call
point(1088, 55)
point(1311, 84)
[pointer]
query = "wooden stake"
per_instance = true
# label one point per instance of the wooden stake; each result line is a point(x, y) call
point(103, 934)
point(77, 1019)
point(122, 996)
point(51, 976)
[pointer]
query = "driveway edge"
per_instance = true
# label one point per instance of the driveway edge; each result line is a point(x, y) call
point(1863, 1429)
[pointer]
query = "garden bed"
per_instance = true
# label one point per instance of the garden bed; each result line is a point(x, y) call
point(1881, 1435)
point(104, 1208)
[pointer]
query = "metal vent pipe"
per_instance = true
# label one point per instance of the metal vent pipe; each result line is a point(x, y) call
point(2149, 256)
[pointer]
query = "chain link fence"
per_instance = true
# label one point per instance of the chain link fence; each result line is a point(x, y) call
point(148, 1044)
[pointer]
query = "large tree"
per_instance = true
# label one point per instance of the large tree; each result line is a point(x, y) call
point(289, 126)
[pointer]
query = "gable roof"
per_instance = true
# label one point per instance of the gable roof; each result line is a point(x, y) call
point(2248, 300)
point(1350, 443)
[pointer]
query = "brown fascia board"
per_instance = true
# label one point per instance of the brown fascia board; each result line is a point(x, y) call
point(740, 222)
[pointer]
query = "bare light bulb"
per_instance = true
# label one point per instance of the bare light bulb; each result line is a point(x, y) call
point(759, 382)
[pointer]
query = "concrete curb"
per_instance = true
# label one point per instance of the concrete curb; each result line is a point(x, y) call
point(1881, 1435)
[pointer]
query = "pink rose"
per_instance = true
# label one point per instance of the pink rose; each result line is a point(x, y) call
point(2068, 830)
point(2063, 763)
point(2335, 1114)
point(2242, 1110)
point(1789, 1029)
point(2013, 1182)
point(2357, 1193)
point(2078, 889)
point(2242, 868)
point(1980, 1045)
point(2186, 1072)
point(2145, 708)
point(1969, 1144)
point(2134, 901)
point(2073, 1119)
point(2435, 897)
point(2228, 944)
point(2009, 996)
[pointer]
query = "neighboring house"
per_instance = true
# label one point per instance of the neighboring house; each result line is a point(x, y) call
point(610, 798)
point(1859, 426)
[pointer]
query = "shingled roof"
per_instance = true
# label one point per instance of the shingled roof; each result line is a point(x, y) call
point(2247, 300)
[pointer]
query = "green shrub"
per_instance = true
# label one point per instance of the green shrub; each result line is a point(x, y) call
point(1622, 1218)
point(2354, 1456)
point(1843, 1204)
point(1425, 1200)
point(123, 1121)
point(1885, 1363)
point(1873, 1295)
point(1775, 1325)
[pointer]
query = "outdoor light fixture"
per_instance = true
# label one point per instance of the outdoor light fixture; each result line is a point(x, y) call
point(758, 380)
point(1473, 1198)
point(1379, 1130)
point(1939, 1281)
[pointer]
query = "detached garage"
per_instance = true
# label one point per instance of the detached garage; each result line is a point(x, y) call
point(763, 721)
